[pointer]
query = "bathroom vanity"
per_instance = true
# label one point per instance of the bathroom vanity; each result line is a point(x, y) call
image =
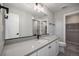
point(45, 46)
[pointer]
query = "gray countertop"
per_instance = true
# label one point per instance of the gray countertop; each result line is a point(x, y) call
point(27, 47)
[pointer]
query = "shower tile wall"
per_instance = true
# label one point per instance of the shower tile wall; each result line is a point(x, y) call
point(72, 36)
point(72, 31)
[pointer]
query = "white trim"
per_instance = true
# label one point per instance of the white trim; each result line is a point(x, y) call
point(67, 14)
point(64, 30)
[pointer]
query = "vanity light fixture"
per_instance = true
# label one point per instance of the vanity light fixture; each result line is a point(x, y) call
point(38, 7)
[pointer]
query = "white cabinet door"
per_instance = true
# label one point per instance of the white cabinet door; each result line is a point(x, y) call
point(44, 51)
point(57, 47)
point(53, 48)
point(12, 26)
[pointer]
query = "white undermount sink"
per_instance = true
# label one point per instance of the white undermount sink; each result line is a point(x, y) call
point(38, 43)
point(42, 41)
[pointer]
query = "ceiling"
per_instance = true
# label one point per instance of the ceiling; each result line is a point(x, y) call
point(53, 7)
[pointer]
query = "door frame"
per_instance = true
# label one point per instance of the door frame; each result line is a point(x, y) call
point(3, 31)
point(67, 14)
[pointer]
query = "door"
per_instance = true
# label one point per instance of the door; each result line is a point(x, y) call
point(1, 32)
point(12, 26)
point(44, 51)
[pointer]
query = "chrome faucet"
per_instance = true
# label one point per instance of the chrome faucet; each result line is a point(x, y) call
point(38, 36)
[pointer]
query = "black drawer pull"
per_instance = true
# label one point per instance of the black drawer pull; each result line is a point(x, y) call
point(17, 33)
point(49, 46)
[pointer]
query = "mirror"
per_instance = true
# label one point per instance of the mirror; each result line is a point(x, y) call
point(44, 27)
point(36, 27)
point(39, 27)
point(20, 23)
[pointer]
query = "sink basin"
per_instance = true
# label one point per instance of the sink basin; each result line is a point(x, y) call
point(38, 43)
point(42, 41)
point(50, 37)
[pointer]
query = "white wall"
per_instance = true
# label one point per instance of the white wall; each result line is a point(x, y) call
point(60, 22)
point(72, 19)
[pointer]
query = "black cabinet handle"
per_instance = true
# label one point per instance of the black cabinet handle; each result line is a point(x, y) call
point(17, 33)
point(49, 46)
